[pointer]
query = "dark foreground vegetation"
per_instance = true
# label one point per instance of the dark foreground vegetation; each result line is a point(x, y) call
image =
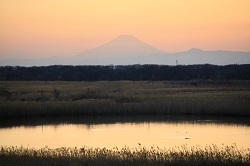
point(22, 99)
point(130, 72)
point(209, 155)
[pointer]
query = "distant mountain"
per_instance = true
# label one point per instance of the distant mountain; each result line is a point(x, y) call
point(127, 49)
point(121, 47)
point(189, 57)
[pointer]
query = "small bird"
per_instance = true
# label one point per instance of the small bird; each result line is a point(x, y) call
point(139, 144)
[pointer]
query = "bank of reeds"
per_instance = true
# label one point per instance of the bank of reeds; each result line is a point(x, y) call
point(197, 155)
point(123, 98)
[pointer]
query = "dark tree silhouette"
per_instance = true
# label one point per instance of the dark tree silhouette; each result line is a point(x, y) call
point(130, 72)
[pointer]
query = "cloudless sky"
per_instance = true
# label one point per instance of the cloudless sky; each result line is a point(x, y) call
point(42, 28)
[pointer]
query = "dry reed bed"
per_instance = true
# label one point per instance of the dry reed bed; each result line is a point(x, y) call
point(124, 97)
point(196, 155)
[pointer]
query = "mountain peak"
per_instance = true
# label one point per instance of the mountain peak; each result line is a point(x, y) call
point(126, 36)
point(127, 39)
point(122, 46)
point(195, 50)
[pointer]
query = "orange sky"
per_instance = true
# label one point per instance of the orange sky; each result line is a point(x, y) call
point(64, 28)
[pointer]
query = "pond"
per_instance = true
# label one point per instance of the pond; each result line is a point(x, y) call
point(119, 132)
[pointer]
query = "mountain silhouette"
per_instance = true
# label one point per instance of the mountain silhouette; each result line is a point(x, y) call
point(120, 47)
point(127, 50)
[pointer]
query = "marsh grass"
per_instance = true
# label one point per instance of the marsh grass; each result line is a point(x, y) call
point(196, 155)
point(124, 97)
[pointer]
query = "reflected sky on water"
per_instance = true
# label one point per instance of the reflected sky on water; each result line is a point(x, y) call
point(119, 134)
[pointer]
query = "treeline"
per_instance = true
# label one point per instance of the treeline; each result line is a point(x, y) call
point(129, 72)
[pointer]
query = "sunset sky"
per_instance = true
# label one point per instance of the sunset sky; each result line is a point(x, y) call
point(41, 28)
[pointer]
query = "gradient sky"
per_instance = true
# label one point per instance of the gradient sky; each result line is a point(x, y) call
point(39, 28)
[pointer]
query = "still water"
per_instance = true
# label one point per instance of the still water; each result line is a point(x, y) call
point(119, 134)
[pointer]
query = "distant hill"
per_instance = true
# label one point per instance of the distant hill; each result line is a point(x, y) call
point(220, 57)
point(127, 50)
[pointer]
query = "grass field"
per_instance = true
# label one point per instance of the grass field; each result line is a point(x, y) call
point(124, 98)
point(209, 155)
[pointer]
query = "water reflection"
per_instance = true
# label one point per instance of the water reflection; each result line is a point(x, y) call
point(89, 120)
point(164, 133)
